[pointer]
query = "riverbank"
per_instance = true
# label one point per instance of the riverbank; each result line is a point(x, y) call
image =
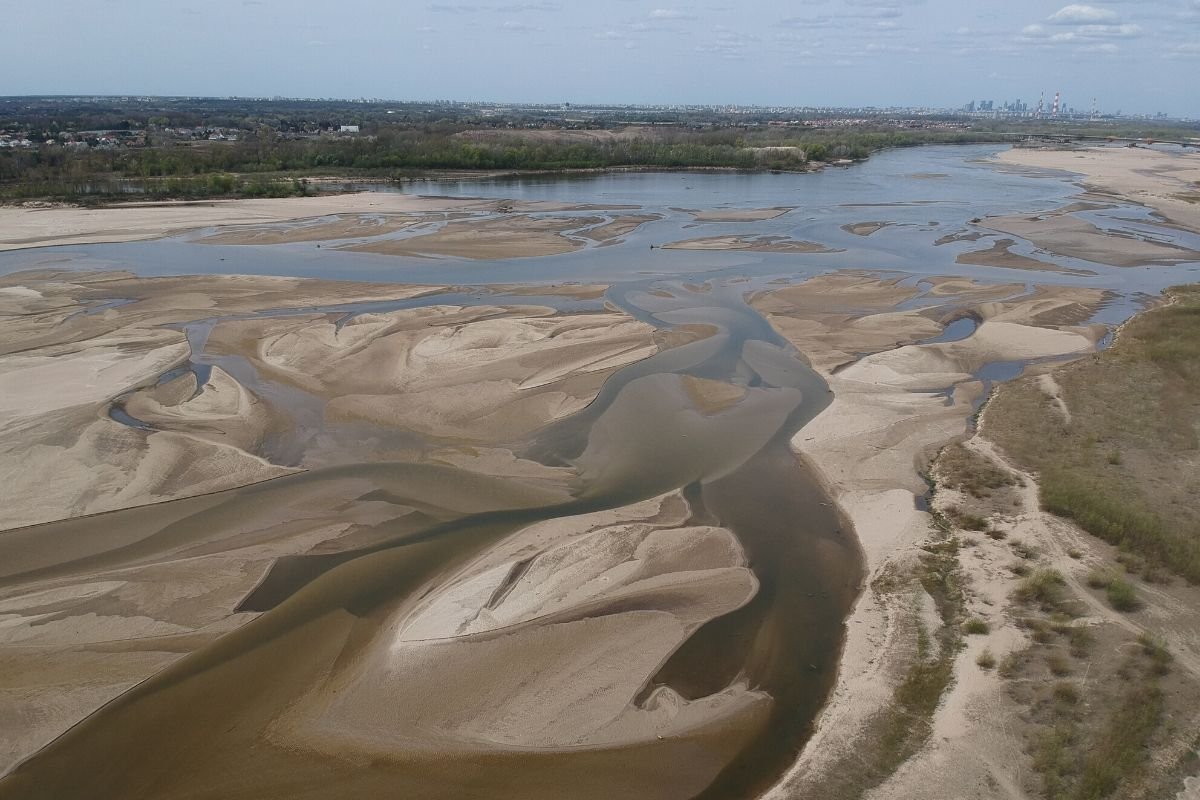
point(956, 670)
point(1164, 181)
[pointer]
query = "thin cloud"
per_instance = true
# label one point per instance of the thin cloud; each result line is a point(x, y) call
point(523, 8)
point(671, 14)
point(1186, 50)
point(1077, 14)
point(512, 26)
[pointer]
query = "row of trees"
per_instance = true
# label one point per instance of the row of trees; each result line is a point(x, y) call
point(396, 152)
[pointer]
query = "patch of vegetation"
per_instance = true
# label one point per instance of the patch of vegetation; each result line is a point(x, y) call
point(1123, 467)
point(1096, 745)
point(975, 626)
point(1119, 749)
point(966, 520)
point(1023, 550)
point(1011, 664)
point(1045, 587)
point(1106, 734)
point(1080, 641)
point(1058, 664)
point(902, 729)
point(1066, 693)
point(1121, 595)
point(1155, 649)
point(986, 660)
point(972, 473)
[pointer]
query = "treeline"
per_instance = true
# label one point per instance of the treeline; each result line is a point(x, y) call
point(251, 167)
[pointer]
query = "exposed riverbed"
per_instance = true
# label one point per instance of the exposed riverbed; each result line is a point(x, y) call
point(284, 703)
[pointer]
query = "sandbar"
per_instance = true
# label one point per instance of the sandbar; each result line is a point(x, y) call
point(756, 244)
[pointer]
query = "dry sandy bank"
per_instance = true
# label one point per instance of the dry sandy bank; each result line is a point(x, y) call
point(46, 227)
point(893, 408)
point(23, 227)
point(1166, 182)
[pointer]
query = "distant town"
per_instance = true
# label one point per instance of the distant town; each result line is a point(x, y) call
point(103, 149)
point(135, 121)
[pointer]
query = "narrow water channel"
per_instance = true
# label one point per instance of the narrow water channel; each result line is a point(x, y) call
point(201, 719)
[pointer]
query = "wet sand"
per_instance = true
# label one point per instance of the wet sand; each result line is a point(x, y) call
point(865, 228)
point(613, 232)
point(754, 244)
point(57, 225)
point(270, 392)
point(358, 580)
point(645, 522)
point(323, 229)
point(507, 237)
point(740, 214)
point(1000, 255)
point(1068, 235)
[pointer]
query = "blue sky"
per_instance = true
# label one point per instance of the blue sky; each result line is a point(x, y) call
point(1137, 56)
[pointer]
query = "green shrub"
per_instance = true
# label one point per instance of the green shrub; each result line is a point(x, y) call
point(1155, 649)
point(1066, 693)
point(1121, 595)
point(1044, 587)
point(1058, 664)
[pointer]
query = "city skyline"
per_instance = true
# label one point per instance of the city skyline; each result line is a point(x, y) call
point(846, 53)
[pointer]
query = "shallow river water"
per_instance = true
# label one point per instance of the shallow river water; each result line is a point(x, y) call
point(638, 439)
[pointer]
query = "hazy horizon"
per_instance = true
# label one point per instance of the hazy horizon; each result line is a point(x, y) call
point(1134, 57)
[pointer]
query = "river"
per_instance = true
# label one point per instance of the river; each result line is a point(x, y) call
point(199, 728)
